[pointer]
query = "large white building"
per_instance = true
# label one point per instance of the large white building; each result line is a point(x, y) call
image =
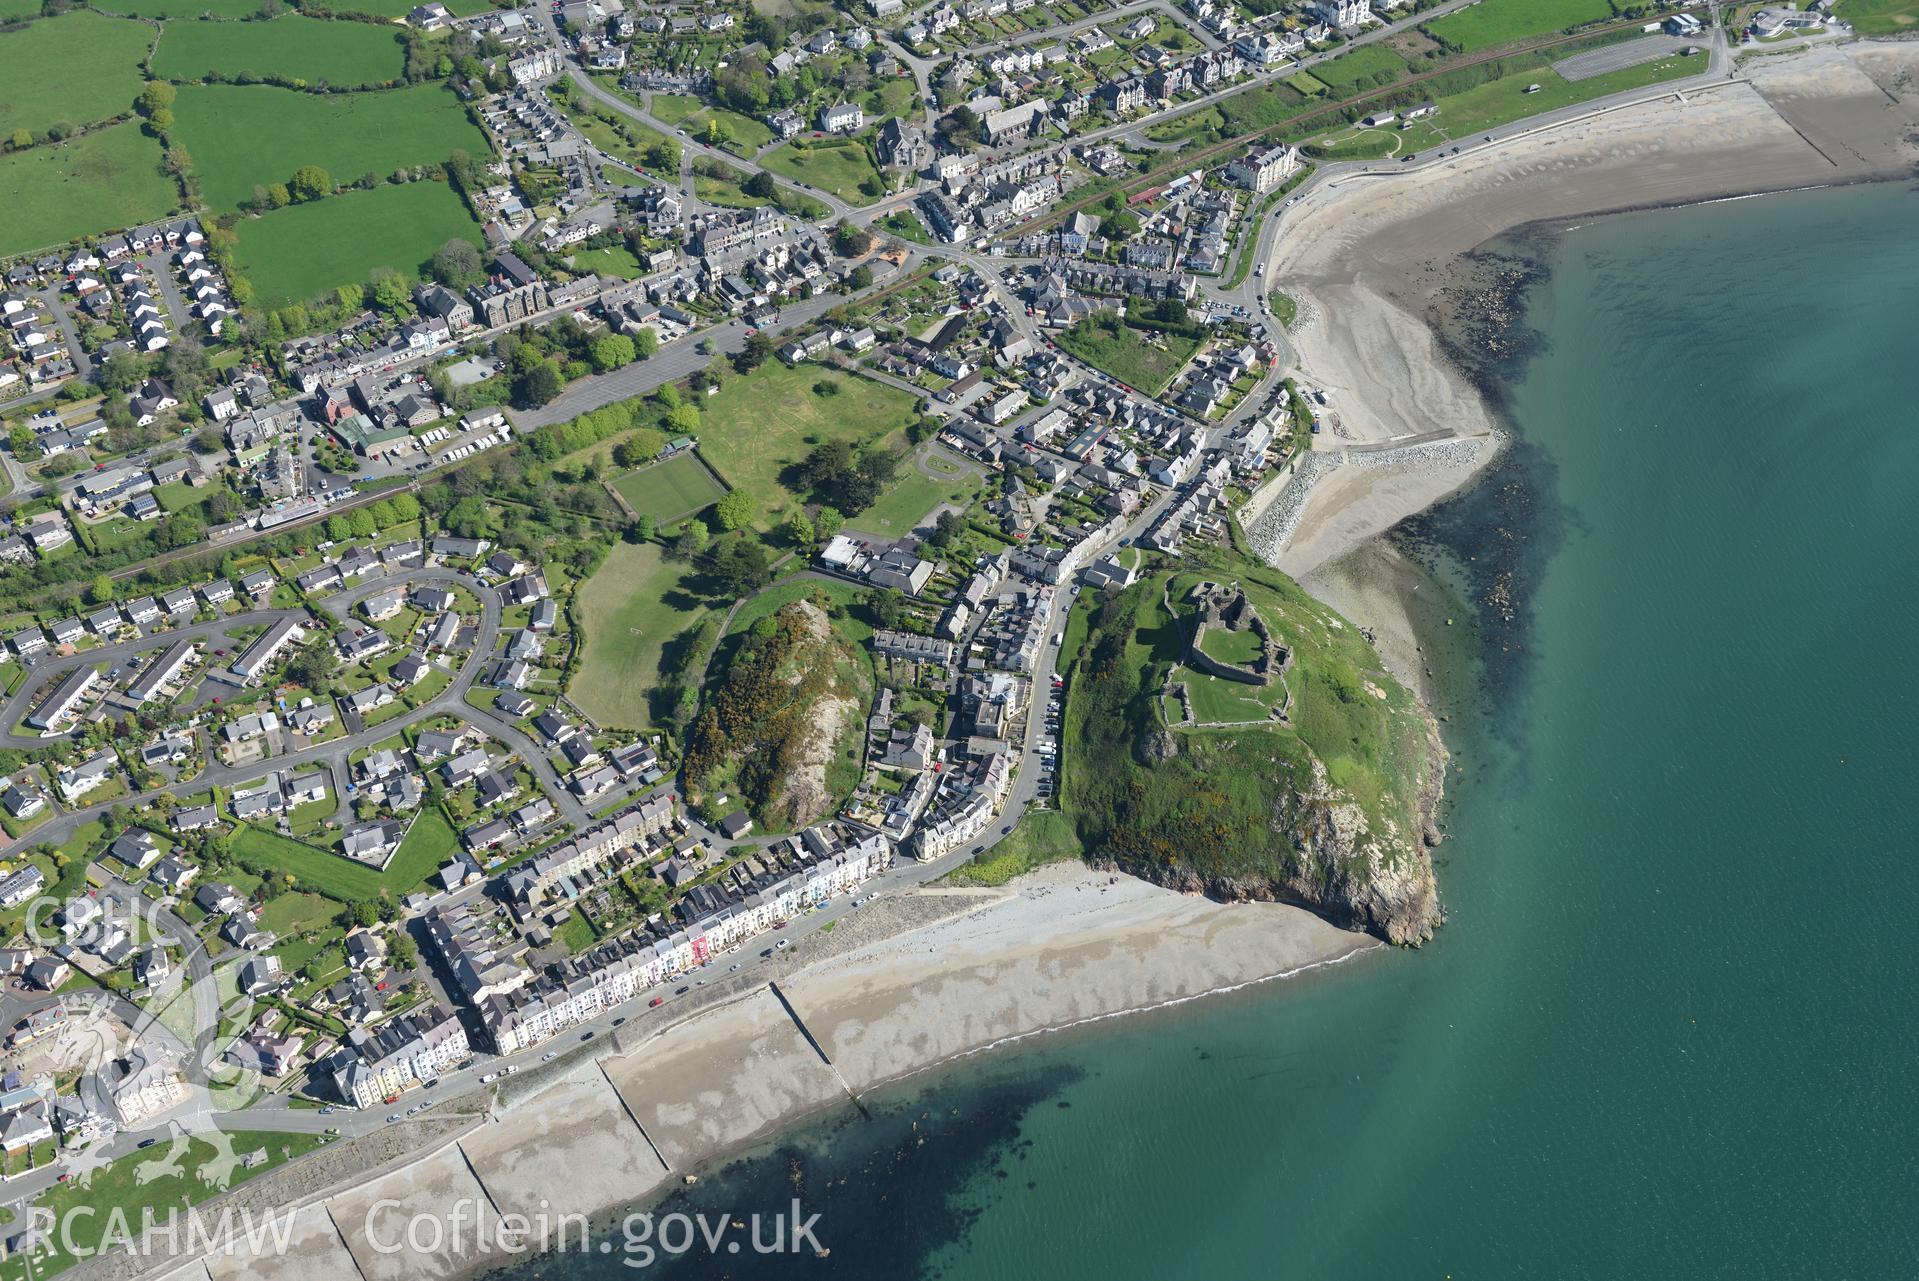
point(1343, 13)
point(1263, 169)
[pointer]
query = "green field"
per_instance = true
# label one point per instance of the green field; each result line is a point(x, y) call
point(1881, 17)
point(1106, 343)
point(183, 8)
point(758, 426)
point(241, 136)
point(400, 8)
point(1491, 23)
point(745, 134)
point(298, 48)
point(629, 609)
point(1240, 648)
point(75, 69)
point(98, 182)
point(1360, 68)
point(667, 491)
point(838, 165)
point(1360, 143)
point(1500, 101)
point(264, 853)
point(11, 10)
point(294, 253)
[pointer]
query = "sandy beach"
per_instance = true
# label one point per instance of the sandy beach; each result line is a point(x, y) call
point(1368, 257)
point(928, 977)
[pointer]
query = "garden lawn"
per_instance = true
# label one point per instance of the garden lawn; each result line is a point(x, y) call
point(667, 491)
point(296, 47)
point(429, 843)
point(761, 424)
point(838, 165)
point(615, 260)
point(243, 136)
point(265, 852)
point(1491, 23)
point(1107, 343)
point(1358, 69)
point(293, 253)
point(77, 69)
point(98, 182)
point(629, 609)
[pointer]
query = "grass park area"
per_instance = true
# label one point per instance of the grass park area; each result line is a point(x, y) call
point(1880, 17)
point(75, 69)
point(614, 260)
point(1361, 143)
point(95, 183)
point(1492, 23)
point(838, 165)
point(168, 1177)
point(762, 424)
point(295, 252)
point(629, 609)
point(241, 136)
point(300, 48)
point(1504, 100)
point(744, 134)
point(667, 491)
point(915, 494)
point(1141, 359)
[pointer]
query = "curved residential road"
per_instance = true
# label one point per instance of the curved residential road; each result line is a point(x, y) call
point(15, 708)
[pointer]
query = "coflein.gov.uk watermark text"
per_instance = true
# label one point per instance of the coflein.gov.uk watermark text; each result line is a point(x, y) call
point(466, 1228)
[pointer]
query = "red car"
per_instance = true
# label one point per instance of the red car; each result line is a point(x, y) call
point(656, 1001)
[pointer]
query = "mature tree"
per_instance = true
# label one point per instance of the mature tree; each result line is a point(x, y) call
point(850, 241)
point(119, 372)
point(754, 353)
point(826, 462)
point(612, 351)
point(539, 384)
point(645, 343)
point(682, 419)
point(736, 565)
point(456, 264)
point(888, 606)
point(388, 292)
point(735, 510)
point(827, 522)
point(310, 182)
point(760, 186)
point(157, 96)
point(691, 540)
point(798, 529)
point(946, 530)
point(100, 590)
point(861, 277)
point(664, 154)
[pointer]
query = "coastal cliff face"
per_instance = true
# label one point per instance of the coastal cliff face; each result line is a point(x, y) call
point(1319, 789)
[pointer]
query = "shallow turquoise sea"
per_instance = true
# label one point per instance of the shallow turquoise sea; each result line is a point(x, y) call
point(1670, 1029)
